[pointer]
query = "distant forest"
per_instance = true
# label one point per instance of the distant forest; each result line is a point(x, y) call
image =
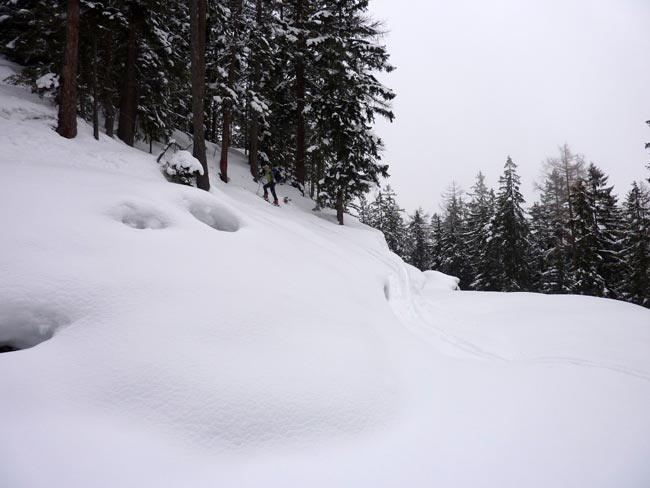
point(578, 238)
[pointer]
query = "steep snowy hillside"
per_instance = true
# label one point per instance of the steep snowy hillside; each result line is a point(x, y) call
point(187, 339)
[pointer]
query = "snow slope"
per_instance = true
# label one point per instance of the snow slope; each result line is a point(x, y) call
point(186, 339)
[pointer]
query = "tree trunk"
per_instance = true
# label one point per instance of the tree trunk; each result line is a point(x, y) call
point(227, 103)
point(67, 123)
point(339, 206)
point(129, 96)
point(255, 116)
point(197, 40)
point(300, 100)
point(107, 85)
point(95, 101)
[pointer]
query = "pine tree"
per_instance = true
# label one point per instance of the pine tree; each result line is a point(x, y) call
point(480, 212)
point(418, 247)
point(350, 97)
point(387, 217)
point(510, 233)
point(453, 248)
point(595, 253)
point(435, 227)
point(553, 241)
point(636, 246)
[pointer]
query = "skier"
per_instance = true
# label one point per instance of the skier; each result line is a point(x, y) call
point(269, 182)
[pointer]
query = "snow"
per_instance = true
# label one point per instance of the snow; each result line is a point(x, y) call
point(183, 161)
point(47, 81)
point(184, 338)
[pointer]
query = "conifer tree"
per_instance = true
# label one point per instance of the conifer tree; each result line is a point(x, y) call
point(553, 238)
point(436, 232)
point(510, 233)
point(596, 258)
point(418, 242)
point(636, 246)
point(480, 212)
point(453, 248)
point(387, 217)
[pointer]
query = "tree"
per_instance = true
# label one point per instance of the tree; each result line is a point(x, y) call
point(510, 233)
point(453, 248)
point(418, 248)
point(233, 47)
point(595, 253)
point(67, 125)
point(126, 128)
point(350, 97)
point(552, 238)
point(387, 217)
point(480, 212)
point(636, 246)
point(198, 10)
point(566, 169)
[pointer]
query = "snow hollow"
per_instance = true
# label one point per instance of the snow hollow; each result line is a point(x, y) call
point(154, 335)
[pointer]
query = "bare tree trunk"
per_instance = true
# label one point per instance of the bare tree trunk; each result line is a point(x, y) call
point(339, 206)
point(300, 99)
point(67, 124)
point(95, 101)
point(227, 103)
point(197, 40)
point(255, 116)
point(107, 85)
point(129, 96)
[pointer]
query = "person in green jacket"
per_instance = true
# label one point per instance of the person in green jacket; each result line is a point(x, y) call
point(269, 182)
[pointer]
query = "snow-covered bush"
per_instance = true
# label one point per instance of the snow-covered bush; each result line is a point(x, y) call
point(178, 165)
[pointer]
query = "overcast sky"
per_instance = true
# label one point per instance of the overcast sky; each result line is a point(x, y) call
point(477, 80)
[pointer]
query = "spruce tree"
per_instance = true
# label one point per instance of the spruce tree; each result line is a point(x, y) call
point(510, 233)
point(595, 252)
point(636, 246)
point(418, 241)
point(453, 246)
point(480, 212)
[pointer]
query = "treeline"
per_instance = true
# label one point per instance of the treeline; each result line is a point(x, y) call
point(578, 238)
point(292, 81)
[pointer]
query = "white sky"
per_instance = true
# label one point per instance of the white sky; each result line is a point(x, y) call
point(477, 80)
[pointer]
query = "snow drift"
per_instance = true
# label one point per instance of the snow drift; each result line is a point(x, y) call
point(169, 337)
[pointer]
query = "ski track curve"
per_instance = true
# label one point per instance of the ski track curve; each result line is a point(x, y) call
point(424, 317)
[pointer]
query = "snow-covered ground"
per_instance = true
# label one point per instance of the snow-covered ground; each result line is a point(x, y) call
point(187, 339)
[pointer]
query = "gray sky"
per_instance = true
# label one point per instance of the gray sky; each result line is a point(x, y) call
point(477, 80)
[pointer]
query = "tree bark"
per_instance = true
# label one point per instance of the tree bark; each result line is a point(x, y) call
point(94, 82)
point(255, 116)
point(339, 206)
point(67, 123)
point(300, 100)
point(107, 85)
point(227, 103)
point(197, 39)
point(129, 96)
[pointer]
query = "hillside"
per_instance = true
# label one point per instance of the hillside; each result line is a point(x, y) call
point(187, 339)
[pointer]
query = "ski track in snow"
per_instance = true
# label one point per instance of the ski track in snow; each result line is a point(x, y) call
point(423, 316)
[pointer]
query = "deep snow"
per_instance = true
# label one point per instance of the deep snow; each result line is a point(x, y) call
point(186, 339)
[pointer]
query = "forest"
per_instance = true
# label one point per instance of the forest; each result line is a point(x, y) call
point(578, 238)
point(293, 82)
